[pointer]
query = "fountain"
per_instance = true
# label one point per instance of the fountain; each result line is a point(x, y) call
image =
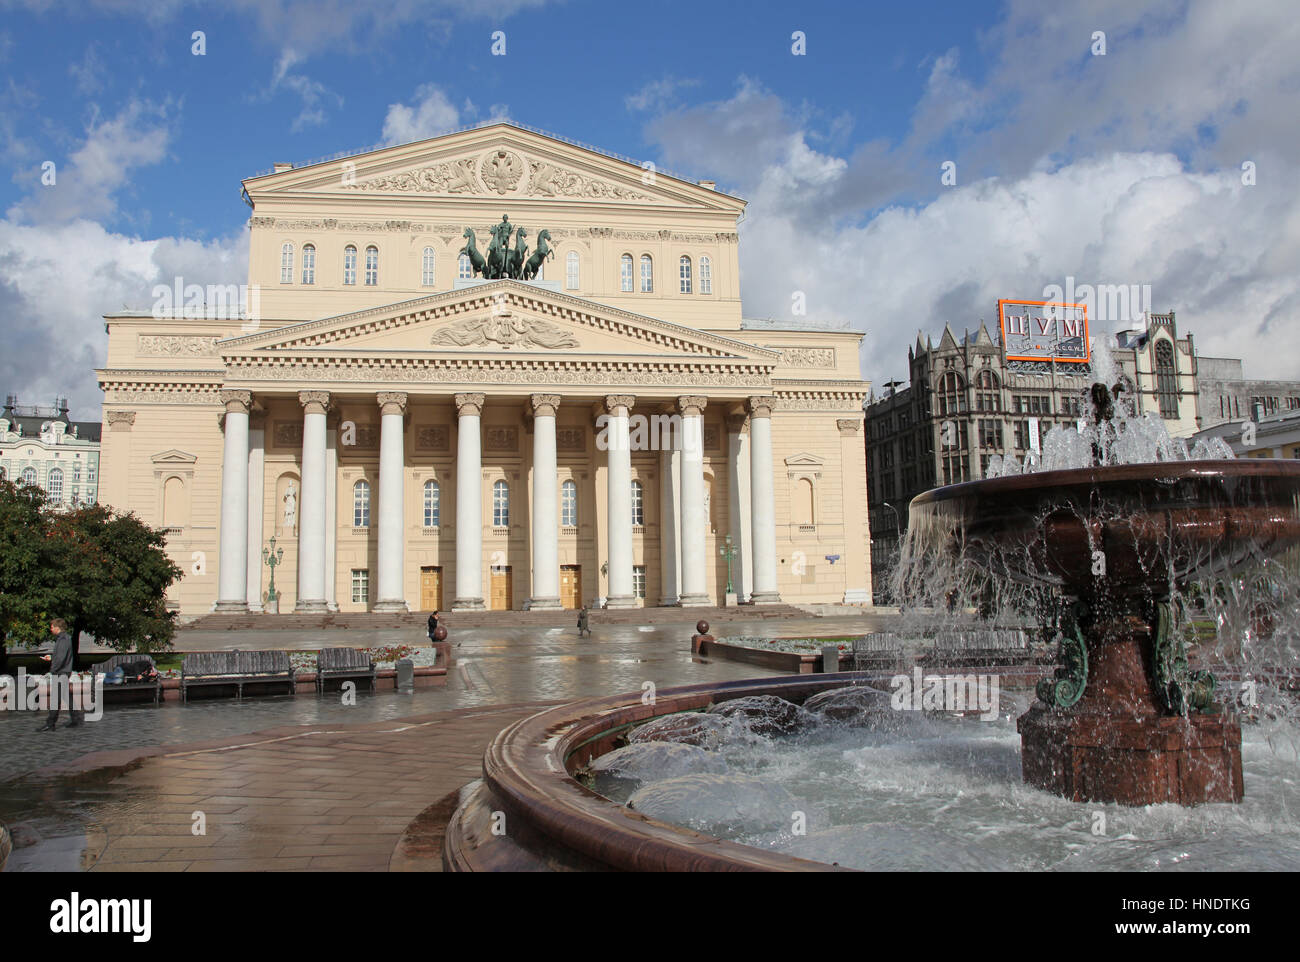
point(1124, 719)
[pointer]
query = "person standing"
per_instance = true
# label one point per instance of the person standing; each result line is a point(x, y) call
point(583, 622)
point(61, 664)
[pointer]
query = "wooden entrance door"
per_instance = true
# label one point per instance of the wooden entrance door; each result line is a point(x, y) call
point(502, 589)
point(431, 589)
point(571, 586)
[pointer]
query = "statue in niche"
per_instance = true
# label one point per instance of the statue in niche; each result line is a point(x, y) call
point(291, 507)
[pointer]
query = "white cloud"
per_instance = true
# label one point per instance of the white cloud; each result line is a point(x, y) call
point(430, 115)
point(313, 94)
point(657, 94)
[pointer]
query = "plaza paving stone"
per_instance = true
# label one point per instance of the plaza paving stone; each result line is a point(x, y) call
point(308, 783)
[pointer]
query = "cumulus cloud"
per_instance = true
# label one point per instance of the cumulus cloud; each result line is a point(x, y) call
point(313, 95)
point(1123, 169)
point(431, 114)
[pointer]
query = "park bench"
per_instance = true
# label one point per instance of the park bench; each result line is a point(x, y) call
point(979, 647)
point(237, 668)
point(153, 685)
point(878, 651)
point(341, 664)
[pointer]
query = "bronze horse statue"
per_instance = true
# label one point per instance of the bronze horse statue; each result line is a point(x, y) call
point(470, 250)
point(516, 258)
point(543, 251)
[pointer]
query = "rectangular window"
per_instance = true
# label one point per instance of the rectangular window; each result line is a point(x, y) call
point(309, 264)
point(350, 265)
point(706, 276)
point(638, 581)
point(625, 275)
point(360, 586)
point(372, 267)
point(990, 434)
point(426, 273)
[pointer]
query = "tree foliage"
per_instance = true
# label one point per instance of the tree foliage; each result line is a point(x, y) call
point(104, 572)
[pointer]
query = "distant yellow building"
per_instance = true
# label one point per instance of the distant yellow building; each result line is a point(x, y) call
point(413, 435)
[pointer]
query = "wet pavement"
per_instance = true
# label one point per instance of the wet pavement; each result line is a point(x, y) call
point(60, 821)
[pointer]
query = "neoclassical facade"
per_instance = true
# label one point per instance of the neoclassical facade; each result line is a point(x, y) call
point(414, 435)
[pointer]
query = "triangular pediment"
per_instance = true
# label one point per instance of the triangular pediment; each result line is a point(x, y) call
point(497, 320)
point(174, 456)
point(804, 460)
point(498, 162)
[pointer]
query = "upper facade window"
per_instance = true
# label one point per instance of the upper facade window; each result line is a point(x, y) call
point(500, 505)
point(349, 265)
point(569, 504)
point(952, 394)
point(647, 274)
point(286, 264)
point(571, 271)
point(309, 263)
point(625, 274)
point(706, 275)
point(684, 274)
point(426, 271)
point(466, 269)
point(372, 266)
point(1166, 380)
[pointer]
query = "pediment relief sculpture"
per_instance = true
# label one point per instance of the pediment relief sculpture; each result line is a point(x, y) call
point(507, 331)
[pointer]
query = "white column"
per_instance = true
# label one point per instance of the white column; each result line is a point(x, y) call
point(695, 563)
point(392, 501)
point(669, 574)
point(469, 504)
point(312, 514)
point(546, 507)
point(256, 509)
point(331, 513)
point(738, 506)
point(619, 477)
point(764, 500)
point(232, 564)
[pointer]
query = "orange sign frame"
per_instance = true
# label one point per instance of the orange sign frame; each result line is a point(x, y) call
point(1002, 326)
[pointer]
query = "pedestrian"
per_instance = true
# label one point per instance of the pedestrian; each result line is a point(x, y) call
point(433, 626)
point(583, 619)
point(61, 663)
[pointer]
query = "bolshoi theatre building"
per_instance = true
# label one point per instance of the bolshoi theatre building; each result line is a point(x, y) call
point(493, 369)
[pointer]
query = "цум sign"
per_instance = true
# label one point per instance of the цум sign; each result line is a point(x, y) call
point(1044, 331)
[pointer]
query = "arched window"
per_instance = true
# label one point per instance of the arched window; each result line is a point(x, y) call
point(952, 394)
point(803, 502)
point(432, 504)
point(684, 274)
point(1166, 379)
point(706, 275)
point(29, 475)
point(625, 273)
point(647, 274)
point(361, 504)
point(309, 263)
point(426, 272)
point(465, 269)
point(286, 263)
point(569, 504)
point(987, 395)
point(571, 271)
point(349, 265)
point(55, 484)
point(500, 505)
point(638, 503)
point(372, 266)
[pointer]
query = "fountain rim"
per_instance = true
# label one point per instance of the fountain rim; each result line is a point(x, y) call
point(527, 773)
point(1151, 472)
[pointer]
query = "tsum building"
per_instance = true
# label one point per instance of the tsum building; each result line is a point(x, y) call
point(494, 369)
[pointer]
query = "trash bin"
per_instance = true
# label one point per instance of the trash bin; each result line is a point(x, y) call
point(830, 659)
point(405, 674)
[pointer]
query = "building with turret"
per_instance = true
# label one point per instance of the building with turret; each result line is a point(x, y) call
point(43, 446)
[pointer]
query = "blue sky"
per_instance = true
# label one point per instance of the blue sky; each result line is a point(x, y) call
point(1124, 168)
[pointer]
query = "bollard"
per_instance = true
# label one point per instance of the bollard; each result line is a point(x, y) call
point(830, 659)
point(405, 674)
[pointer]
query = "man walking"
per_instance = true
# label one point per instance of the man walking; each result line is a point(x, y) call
point(61, 664)
point(583, 622)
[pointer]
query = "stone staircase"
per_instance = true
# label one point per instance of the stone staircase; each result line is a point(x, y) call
point(410, 621)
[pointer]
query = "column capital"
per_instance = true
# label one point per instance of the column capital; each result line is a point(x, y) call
point(692, 405)
point(120, 420)
point(737, 423)
point(545, 405)
point(314, 402)
point(615, 401)
point(470, 405)
point(237, 402)
point(762, 406)
point(391, 402)
point(848, 426)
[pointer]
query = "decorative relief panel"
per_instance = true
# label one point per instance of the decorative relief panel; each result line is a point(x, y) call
point(551, 181)
point(712, 437)
point(433, 437)
point(501, 170)
point(364, 436)
point(507, 331)
point(501, 439)
point(287, 434)
point(456, 177)
point(164, 397)
point(177, 345)
point(441, 373)
point(805, 356)
point(573, 440)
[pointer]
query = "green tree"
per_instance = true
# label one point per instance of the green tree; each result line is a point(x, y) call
point(112, 574)
point(25, 598)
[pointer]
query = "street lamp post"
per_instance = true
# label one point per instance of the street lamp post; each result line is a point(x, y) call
point(272, 557)
point(728, 551)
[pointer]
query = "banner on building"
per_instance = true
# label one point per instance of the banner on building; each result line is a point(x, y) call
point(1044, 331)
